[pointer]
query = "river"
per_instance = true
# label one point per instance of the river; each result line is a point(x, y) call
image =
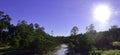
point(62, 50)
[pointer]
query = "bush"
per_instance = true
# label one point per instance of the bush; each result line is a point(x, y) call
point(116, 43)
point(15, 43)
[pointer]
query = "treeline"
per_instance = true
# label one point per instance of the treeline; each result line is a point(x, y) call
point(32, 39)
point(26, 37)
point(105, 40)
point(91, 42)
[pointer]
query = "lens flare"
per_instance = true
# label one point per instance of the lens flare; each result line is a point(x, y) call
point(102, 13)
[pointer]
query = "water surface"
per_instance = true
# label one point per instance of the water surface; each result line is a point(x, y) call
point(62, 50)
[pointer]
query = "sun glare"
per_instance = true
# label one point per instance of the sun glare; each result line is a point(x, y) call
point(102, 13)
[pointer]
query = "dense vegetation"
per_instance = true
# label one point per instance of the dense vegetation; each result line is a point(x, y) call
point(95, 43)
point(25, 39)
point(92, 42)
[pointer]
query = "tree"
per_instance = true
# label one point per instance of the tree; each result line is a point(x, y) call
point(4, 26)
point(90, 29)
point(74, 31)
point(25, 36)
point(91, 34)
point(114, 27)
point(114, 32)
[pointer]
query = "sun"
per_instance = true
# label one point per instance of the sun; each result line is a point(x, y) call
point(102, 13)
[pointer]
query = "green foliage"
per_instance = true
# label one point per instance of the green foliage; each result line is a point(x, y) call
point(25, 36)
point(80, 44)
point(106, 52)
point(15, 43)
point(105, 40)
point(4, 25)
point(32, 37)
point(116, 43)
point(111, 52)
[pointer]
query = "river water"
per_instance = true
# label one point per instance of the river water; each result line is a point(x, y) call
point(62, 50)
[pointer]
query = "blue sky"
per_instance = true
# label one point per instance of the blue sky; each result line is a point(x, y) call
point(59, 15)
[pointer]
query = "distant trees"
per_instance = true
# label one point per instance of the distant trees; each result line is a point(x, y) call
point(74, 31)
point(91, 33)
point(91, 29)
point(114, 27)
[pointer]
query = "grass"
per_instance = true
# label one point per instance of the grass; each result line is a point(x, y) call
point(6, 47)
point(106, 52)
point(111, 52)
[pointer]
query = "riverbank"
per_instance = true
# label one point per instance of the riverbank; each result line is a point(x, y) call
point(12, 51)
point(105, 52)
point(59, 50)
point(53, 51)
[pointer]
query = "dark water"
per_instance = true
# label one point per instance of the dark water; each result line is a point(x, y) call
point(62, 51)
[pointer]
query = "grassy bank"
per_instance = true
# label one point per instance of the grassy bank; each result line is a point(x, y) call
point(12, 51)
point(105, 52)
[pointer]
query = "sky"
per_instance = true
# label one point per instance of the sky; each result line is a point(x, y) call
point(60, 16)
